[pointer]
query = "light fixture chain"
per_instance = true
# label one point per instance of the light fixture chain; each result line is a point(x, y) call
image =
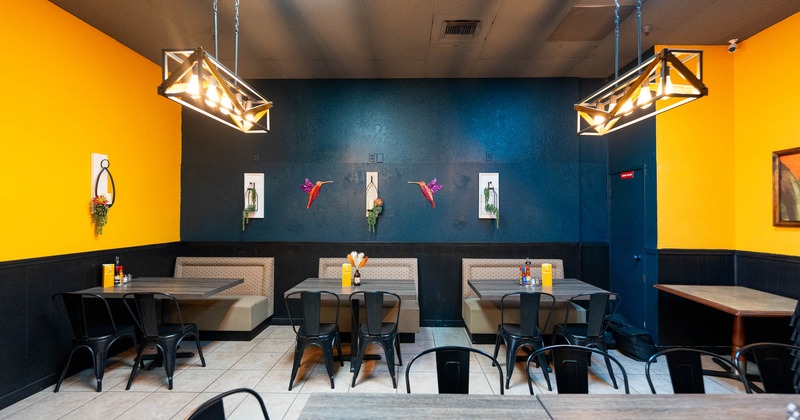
point(639, 32)
point(236, 40)
point(216, 34)
point(616, 39)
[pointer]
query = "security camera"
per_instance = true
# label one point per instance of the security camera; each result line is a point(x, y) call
point(732, 46)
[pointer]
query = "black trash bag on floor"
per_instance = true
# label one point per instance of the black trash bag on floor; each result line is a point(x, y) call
point(632, 341)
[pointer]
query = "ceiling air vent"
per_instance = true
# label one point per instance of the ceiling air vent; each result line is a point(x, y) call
point(461, 28)
point(459, 32)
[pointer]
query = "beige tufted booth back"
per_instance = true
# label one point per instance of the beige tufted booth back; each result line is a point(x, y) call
point(258, 272)
point(502, 269)
point(376, 268)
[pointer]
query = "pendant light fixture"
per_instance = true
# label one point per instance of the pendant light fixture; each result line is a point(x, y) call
point(195, 79)
point(675, 75)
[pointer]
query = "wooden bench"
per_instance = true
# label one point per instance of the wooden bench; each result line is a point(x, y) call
point(481, 316)
point(239, 313)
point(380, 268)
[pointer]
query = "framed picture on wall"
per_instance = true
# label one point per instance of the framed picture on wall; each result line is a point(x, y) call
point(786, 187)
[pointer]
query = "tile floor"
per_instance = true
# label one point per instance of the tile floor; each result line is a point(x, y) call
point(265, 365)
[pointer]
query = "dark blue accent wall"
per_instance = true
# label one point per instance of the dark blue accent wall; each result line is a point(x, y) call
point(552, 183)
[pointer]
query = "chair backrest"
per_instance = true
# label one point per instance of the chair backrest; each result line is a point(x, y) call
point(73, 308)
point(144, 311)
point(452, 368)
point(529, 304)
point(311, 302)
point(775, 366)
point(571, 366)
point(600, 307)
point(214, 408)
point(373, 303)
point(686, 369)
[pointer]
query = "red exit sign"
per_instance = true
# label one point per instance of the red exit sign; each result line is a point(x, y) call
point(626, 175)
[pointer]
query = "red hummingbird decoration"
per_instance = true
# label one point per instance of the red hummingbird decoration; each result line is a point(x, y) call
point(429, 189)
point(313, 190)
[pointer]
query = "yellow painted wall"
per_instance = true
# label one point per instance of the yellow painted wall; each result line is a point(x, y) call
point(714, 155)
point(766, 120)
point(694, 154)
point(69, 91)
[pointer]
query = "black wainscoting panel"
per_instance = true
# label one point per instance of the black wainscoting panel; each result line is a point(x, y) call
point(685, 323)
point(779, 274)
point(37, 340)
point(682, 322)
point(12, 328)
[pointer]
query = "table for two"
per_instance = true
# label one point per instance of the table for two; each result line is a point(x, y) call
point(180, 288)
point(562, 289)
point(741, 302)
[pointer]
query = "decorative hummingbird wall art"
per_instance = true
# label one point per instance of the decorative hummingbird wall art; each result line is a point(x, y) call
point(313, 190)
point(428, 190)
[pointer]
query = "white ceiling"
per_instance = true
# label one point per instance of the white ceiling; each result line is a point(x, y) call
point(325, 39)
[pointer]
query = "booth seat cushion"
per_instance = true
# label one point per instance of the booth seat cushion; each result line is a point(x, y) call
point(244, 307)
point(378, 268)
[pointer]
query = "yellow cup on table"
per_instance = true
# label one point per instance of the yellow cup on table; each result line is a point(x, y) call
point(547, 275)
point(347, 274)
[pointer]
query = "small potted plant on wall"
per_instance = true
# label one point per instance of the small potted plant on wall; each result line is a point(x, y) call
point(252, 204)
point(490, 204)
point(373, 213)
point(99, 208)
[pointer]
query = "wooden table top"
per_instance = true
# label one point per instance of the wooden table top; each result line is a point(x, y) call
point(420, 406)
point(562, 289)
point(181, 288)
point(684, 406)
point(735, 300)
point(406, 289)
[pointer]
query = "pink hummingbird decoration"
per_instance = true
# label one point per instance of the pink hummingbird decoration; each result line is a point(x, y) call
point(429, 189)
point(313, 190)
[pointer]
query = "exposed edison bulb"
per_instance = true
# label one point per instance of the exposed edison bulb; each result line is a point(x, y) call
point(669, 88)
point(212, 95)
point(598, 119)
point(643, 101)
point(225, 105)
point(193, 88)
point(626, 108)
point(248, 116)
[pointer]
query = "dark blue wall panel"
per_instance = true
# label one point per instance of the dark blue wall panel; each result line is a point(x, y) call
point(551, 186)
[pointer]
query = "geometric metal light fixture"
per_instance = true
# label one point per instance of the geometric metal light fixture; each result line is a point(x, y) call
point(196, 80)
point(667, 80)
point(672, 76)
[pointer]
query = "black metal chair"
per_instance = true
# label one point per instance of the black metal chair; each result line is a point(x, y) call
point(452, 368)
point(600, 307)
point(214, 408)
point(571, 367)
point(775, 363)
point(94, 331)
point(165, 337)
point(686, 369)
point(310, 330)
point(526, 332)
point(374, 330)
